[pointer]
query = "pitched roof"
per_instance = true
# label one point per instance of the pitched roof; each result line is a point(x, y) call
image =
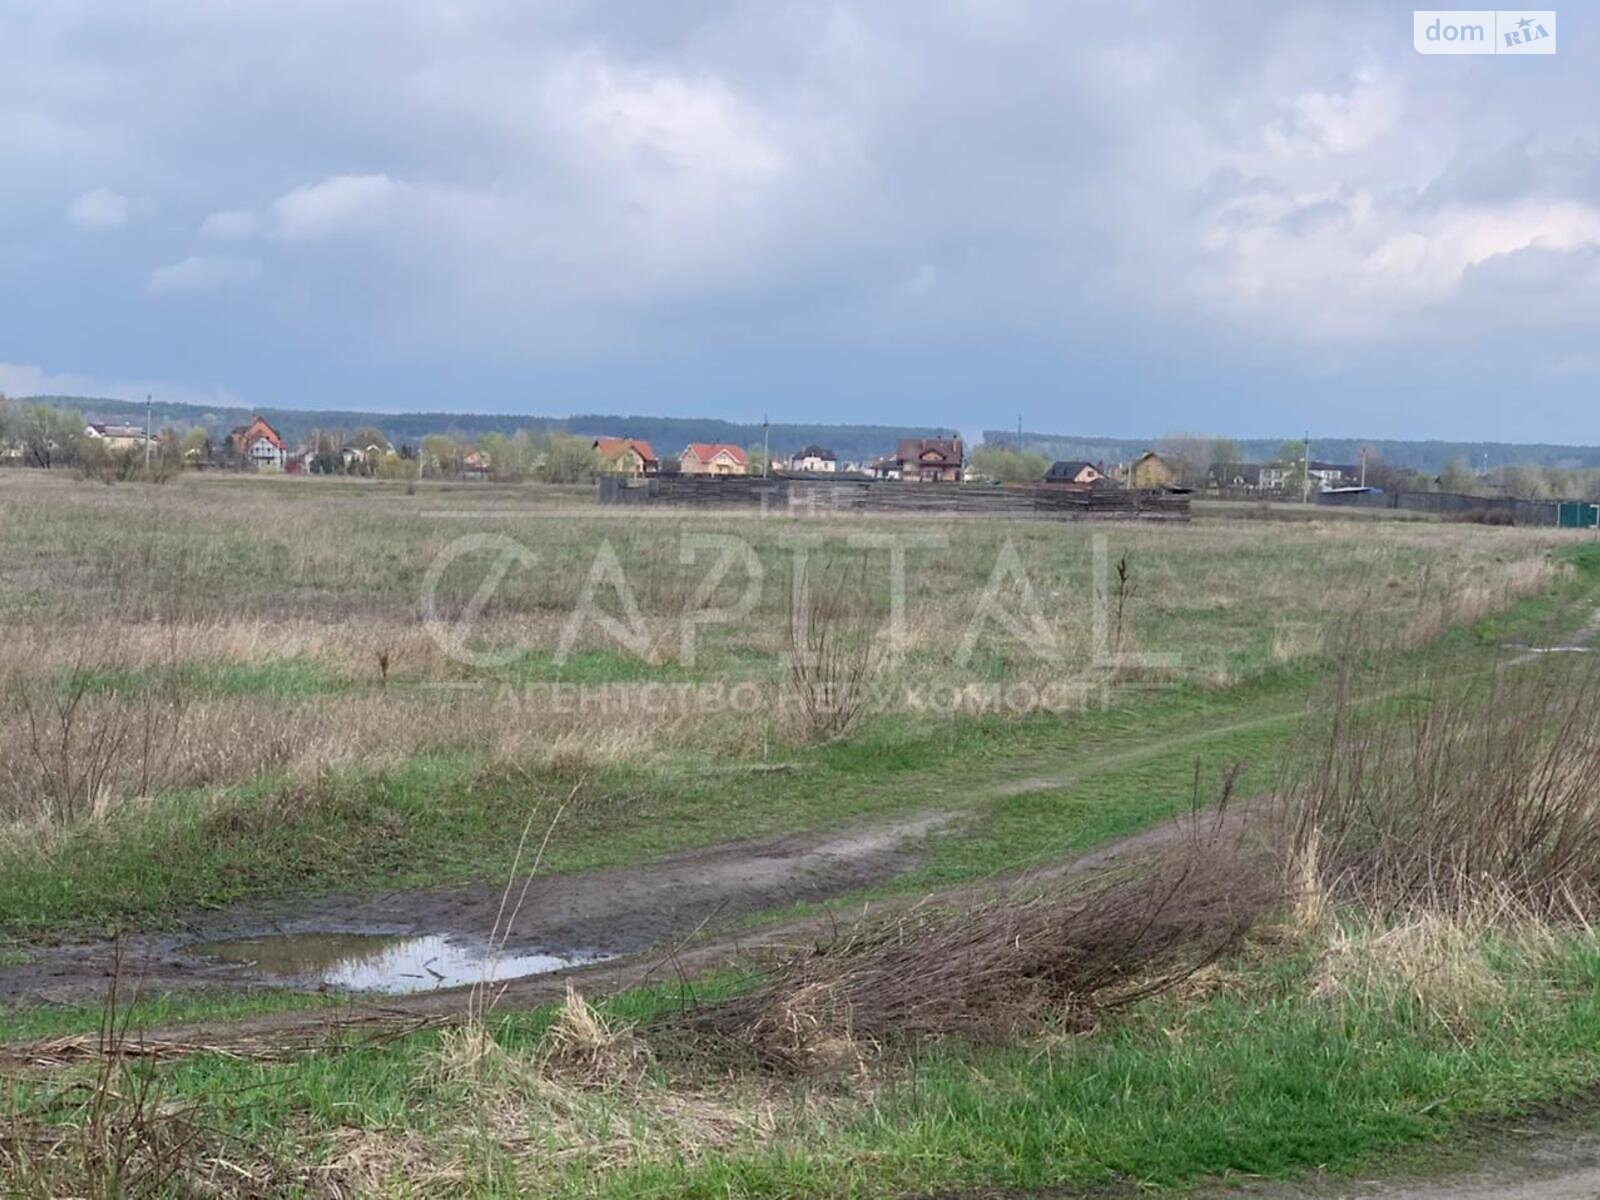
point(611, 447)
point(706, 451)
point(815, 451)
point(945, 450)
point(1070, 469)
point(258, 428)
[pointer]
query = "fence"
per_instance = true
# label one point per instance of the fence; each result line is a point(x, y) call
point(826, 497)
point(1508, 510)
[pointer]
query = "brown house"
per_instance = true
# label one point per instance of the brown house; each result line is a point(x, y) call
point(626, 456)
point(1150, 470)
point(930, 460)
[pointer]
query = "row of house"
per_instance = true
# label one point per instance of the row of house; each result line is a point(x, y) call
point(634, 456)
point(1148, 472)
point(1151, 471)
point(924, 459)
point(256, 443)
point(1275, 476)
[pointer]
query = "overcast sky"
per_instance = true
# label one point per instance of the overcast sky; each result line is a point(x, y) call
point(1244, 218)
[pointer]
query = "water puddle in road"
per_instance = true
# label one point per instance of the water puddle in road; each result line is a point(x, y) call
point(394, 965)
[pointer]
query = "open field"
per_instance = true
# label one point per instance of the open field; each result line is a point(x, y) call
point(233, 707)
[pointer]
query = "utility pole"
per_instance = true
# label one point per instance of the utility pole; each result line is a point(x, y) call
point(147, 433)
point(766, 447)
point(1305, 473)
point(1019, 433)
point(1363, 466)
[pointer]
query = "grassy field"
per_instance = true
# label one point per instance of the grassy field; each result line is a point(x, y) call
point(220, 692)
point(255, 644)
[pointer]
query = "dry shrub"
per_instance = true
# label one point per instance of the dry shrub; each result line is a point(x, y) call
point(85, 740)
point(833, 656)
point(1008, 966)
point(1484, 787)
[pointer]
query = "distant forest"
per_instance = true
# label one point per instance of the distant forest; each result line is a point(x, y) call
point(1427, 457)
point(667, 435)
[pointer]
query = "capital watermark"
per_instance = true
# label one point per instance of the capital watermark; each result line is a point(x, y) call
point(1484, 31)
point(1019, 637)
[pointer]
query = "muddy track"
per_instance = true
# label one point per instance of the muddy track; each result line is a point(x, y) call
point(608, 913)
point(670, 960)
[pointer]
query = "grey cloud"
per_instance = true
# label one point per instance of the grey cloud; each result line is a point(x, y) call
point(501, 190)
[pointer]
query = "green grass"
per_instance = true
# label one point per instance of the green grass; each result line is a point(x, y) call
point(447, 816)
point(1259, 1079)
point(451, 817)
point(1263, 1085)
point(154, 1011)
point(281, 678)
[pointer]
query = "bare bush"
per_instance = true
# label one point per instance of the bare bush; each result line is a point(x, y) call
point(108, 467)
point(1009, 965)
point(833, 656)
point(86, 738)
point(1487, 786)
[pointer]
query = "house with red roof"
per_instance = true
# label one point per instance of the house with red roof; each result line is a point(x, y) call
point(259, 445)
point(626, 456)
point(713, 458)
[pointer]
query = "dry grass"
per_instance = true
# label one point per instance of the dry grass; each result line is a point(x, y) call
point(1449, 968)
point(1310, 908)
point(204, 577)
point(1485, 788)
point(113, 1132)
point(1291, 642)
point(588, 1093)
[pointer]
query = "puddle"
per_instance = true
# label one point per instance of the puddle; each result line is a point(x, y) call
point(362, 962)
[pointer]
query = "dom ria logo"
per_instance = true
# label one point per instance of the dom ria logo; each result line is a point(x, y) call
point(1485, 31)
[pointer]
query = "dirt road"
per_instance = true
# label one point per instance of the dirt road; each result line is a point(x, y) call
point(608, 913)
point(679, 941)
point(1552, 1165)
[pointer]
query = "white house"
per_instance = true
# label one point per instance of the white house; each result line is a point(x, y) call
point(813, 458)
